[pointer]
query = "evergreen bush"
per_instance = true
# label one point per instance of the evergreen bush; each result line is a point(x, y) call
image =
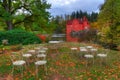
point(18, 36)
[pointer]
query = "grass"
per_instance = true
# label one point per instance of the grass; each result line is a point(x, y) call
point(68, 66)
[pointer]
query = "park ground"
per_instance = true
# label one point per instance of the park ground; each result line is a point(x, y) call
point(66, 65)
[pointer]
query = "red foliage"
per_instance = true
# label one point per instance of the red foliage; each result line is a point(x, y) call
point(42, 37)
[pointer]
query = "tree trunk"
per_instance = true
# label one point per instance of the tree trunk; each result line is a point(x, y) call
point(7, 7)
point(9, 25)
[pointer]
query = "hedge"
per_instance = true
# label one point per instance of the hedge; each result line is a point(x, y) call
point(19, 37)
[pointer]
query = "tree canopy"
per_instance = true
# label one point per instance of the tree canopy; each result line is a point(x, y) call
point(109, 22)
point(92, 17)
point(29, 14)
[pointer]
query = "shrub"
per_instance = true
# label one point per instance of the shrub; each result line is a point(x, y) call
point(19, 37)
point(42, 37)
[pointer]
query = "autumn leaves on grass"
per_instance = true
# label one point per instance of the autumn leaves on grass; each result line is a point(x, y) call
point(63, 64)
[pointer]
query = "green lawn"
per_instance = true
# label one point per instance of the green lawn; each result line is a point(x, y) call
point(65, 65)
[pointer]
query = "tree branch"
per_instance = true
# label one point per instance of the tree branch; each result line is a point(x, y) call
point(5, 5)
point(9, 5)
point(26, 18)
point(13, 11)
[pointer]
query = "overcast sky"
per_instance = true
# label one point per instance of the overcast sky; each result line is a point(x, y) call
point(68, 6)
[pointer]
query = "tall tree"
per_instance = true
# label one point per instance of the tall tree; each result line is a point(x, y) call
point(109, 20)
point(80, 14)
point(14, 12)
point(93, 17)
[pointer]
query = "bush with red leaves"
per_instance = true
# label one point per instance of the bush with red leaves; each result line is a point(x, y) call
point(42, 37)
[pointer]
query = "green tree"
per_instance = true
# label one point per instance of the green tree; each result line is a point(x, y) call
point(109, 21)
point(24, 12)
point(80, 14)
point(93, 17)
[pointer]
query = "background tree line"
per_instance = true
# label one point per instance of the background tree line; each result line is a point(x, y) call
point(92, 17)
point(61, 20)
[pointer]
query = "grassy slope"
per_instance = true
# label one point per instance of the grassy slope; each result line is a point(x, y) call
point(68, 66)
